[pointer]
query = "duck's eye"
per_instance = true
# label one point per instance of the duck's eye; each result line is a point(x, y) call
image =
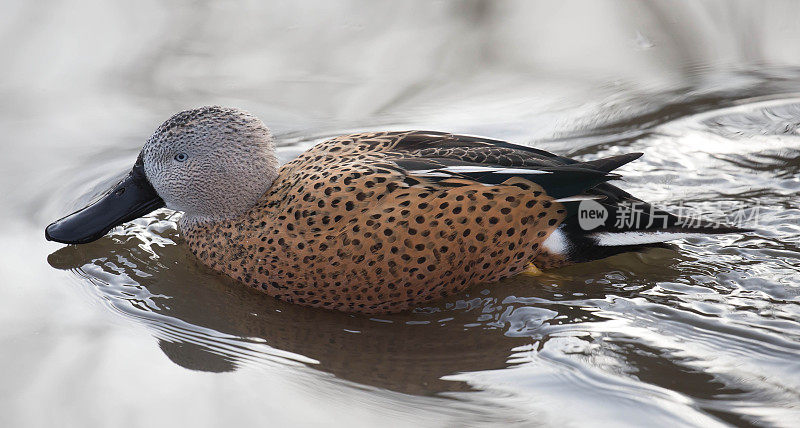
point(180, 157)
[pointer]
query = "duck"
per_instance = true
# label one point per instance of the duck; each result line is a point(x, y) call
point(375, 222)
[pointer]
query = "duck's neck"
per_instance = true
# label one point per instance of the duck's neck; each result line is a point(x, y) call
point(189, 220)
point(228, 205)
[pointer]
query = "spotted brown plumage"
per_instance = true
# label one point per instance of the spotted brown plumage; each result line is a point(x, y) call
point(374, 222)
point(345, 226)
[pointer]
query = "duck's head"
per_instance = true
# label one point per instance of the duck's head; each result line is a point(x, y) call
point(211, 163)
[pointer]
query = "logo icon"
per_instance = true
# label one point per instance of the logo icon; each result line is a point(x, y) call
point(591, 214)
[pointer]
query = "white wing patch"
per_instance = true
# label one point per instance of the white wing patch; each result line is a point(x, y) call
point(467, 168)
point(464, 169)
point(430, 173)
point(522, 171)
point(580, 198)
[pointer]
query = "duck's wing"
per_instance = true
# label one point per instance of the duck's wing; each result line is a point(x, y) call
point(449, 159)
point(474, 149)
point(629, 222)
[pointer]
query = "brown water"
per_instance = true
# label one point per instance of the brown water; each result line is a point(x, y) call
point(131, 331)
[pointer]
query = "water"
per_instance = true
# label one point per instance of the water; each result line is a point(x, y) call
point(131, 331)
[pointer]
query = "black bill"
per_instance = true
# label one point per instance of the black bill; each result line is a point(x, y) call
point(133, 197)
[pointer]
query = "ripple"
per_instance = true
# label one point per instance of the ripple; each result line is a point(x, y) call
point(701, 332)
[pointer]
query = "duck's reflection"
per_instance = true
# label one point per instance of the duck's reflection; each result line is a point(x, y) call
point(144, 271)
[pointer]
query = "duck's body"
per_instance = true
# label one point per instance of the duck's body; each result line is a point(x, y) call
point(380, 222)
point(376, 222)
point(345, 227)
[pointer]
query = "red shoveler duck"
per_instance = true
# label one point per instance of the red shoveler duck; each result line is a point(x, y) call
point(375, 222)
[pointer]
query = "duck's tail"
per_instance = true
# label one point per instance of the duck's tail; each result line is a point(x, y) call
point(605, 220)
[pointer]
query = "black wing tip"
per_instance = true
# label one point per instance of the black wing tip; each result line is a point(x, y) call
point(612, 162)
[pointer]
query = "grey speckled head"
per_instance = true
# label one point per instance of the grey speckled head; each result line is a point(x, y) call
point(210, 162)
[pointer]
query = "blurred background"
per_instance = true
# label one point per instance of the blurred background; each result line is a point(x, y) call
point(129, 332)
